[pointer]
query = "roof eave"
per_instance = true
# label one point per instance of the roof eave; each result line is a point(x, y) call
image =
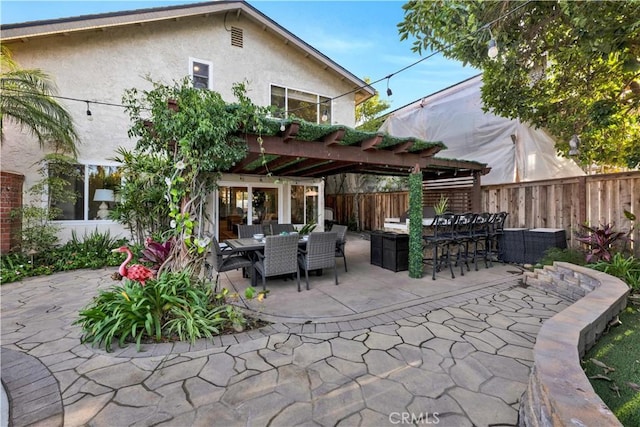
point(29, 30)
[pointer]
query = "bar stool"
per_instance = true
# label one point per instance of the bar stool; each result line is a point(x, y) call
point(442, 238)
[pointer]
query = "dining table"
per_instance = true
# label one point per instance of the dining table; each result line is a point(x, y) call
point(250, 246)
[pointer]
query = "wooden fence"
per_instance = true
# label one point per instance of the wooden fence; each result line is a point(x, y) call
point(559, 203)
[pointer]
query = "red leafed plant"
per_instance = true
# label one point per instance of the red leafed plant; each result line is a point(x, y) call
point(601, 241)
point(156, 253)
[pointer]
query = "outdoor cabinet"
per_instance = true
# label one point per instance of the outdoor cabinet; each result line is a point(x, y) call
point(538, 240)
point(395, 251)
point(376, 247)
point(511, 245)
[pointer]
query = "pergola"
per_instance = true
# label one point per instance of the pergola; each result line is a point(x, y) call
point(298, 148)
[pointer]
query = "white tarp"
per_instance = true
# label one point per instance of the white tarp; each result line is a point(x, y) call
point(514, 151)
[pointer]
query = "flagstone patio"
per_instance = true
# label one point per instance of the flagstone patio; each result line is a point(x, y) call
point(379, 349)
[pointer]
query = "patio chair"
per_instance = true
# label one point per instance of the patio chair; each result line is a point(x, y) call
point(224, 259)
point(480, 239)
point(495, 232)
point(280, 257)
point(281, 228)
point(246, 231)
point(441, 239)
point(341, 241)
point(319, 253)
point(462, 237)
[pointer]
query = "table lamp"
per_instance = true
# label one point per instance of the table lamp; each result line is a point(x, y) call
point(103, 195)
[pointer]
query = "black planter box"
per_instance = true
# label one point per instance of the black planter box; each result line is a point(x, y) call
point(395, 252)
point(538, 240)
point(511, 245)
point(376, 247)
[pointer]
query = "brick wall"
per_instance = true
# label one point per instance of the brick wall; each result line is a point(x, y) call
point(10, 198)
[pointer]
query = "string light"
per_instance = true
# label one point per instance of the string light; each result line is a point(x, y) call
point(388, 77)
point(89, 115)
point(492, 51)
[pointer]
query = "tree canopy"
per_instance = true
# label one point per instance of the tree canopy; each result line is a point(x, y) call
point(570, 67)
point(26, 100)
point(368, 113)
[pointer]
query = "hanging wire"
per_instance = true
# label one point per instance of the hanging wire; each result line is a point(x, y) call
point(387, 77)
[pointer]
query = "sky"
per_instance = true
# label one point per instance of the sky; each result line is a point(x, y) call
point(361, 36)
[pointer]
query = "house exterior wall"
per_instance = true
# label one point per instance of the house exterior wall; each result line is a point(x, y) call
point(100, 65)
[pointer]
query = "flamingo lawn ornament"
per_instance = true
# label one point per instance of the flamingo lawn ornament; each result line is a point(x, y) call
point(136, 272)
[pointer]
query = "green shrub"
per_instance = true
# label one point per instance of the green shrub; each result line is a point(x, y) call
point(168, 308)
point(573, 256)
point(624, 268)
point(93, 251)
point(14, 267)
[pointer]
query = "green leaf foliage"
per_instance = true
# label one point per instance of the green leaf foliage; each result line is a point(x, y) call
point(26, 100)
point(570, 67)
point(415, 225)
point(167, 308)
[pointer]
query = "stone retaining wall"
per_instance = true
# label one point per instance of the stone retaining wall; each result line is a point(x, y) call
point(558, 392)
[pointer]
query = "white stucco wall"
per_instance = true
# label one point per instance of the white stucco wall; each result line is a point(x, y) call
point(100, 65)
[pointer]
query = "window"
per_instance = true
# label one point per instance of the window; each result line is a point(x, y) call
point(304, 204)
point(296, 103)
point(95, 187)
point(201, 73)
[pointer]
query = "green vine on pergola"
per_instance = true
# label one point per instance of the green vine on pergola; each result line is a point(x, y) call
point(202, 135)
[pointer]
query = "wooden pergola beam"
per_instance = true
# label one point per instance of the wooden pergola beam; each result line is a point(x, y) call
point(334, 137)
point(371, 143)
point(345, 153)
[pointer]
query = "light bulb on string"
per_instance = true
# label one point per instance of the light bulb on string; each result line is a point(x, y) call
point(89, 114)
point(325, 116)
point(389, 91)
point(492, 51)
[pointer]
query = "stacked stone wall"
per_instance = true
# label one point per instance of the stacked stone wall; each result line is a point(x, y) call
point(558, 392)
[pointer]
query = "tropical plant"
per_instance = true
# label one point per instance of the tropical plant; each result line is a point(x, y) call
point(624, 268)
point(307, 228)
point(26, 100)
point(171, 307)
point(570, 69)
point(201, 135)
point(442, 205)
point(156, 253)
point(602, 241)
point(143, 208)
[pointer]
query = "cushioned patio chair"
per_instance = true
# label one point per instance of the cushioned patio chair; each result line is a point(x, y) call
point(281, 228)
point(341, 241)
point(320, 253)
point(246, 231)
point(224, 259)
point(280, 258)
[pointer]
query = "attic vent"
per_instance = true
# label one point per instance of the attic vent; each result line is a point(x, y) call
point(236, 37)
